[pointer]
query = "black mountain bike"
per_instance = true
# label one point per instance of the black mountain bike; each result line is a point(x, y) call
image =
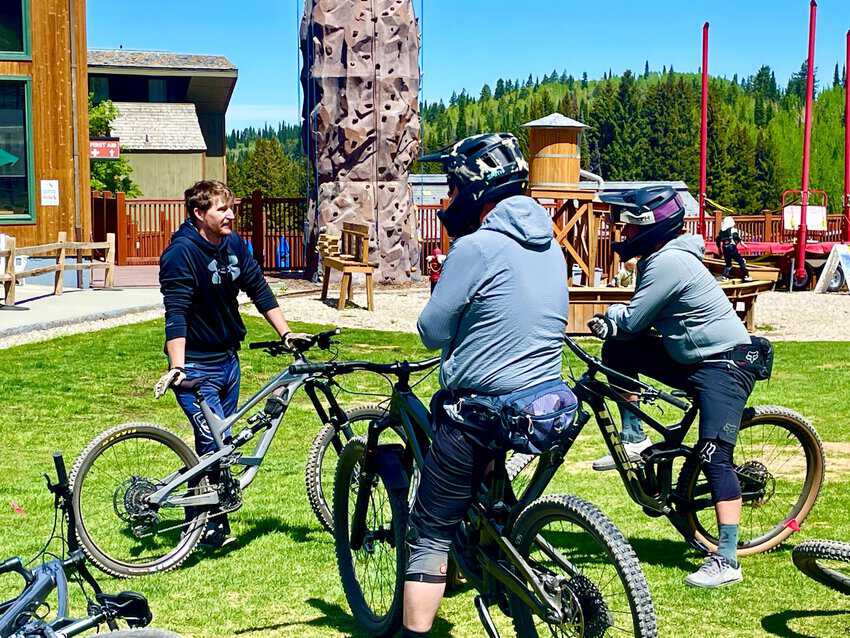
point(779, 461)
point(555, 564)
point(827, 562)
point(25, 615)
point(142, 496)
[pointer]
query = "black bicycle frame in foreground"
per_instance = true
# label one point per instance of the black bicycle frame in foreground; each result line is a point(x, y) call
point(779, 462)
point(504, 547)
point(22, 616)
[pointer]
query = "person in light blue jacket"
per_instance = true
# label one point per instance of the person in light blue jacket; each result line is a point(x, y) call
point(499, 315)
point(680, 329)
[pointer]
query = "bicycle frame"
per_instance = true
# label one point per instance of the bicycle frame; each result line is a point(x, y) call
point(490, 514)
point(283, 388)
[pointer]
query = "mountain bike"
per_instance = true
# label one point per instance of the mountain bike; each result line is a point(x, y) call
point(142, 497)
point(555, 564)
point(25, 615)
point(779, 461)
point(827, 562)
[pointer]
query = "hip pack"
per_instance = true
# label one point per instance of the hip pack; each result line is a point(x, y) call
point(755, 357)
point(531, 421)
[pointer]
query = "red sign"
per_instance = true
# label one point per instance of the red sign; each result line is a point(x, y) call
point(104, 148)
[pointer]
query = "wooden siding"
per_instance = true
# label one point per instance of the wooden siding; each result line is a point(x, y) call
point(554, 155)
point(51, 116)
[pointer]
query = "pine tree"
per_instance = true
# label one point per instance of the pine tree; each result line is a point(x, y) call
point(646, 69)
point(460, 129)
point(767, 178)
point(836, 80)
point(486, 94)
point(584, 80)
point(500, 89)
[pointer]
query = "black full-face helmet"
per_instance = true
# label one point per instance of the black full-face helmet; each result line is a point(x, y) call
point(653, 215)
point(483, 168)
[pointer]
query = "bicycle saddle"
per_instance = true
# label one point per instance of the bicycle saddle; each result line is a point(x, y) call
point(129, 605)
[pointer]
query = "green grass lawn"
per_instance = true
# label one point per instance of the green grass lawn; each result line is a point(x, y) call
point(280, 579)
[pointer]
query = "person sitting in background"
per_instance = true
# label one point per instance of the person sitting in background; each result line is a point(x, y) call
point(625, 277)
point(728, 240)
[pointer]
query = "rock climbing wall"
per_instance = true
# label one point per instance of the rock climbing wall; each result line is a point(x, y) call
point(361, 113)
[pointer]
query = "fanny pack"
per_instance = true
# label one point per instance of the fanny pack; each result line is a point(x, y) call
point(531, 421)
point(755, 357)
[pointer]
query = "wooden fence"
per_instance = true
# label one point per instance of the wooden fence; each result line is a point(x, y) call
point(61, 248)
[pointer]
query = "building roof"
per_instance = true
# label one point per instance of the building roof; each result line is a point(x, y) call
point(126, 58)
point(145, 126)
point(555, 120)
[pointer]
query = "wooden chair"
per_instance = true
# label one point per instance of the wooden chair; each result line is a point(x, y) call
point(347, 253)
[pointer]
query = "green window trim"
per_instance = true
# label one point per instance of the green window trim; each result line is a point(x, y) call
point(26, 54)
point(20, 220)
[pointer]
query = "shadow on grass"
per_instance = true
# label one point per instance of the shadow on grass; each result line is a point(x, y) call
point(335, 617)
point(665, 553)
point(258, 528)
point(777, 624)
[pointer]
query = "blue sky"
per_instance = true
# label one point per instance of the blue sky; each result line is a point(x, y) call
point(469, 42)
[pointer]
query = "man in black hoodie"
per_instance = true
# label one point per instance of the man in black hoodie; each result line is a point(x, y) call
point(200, 274)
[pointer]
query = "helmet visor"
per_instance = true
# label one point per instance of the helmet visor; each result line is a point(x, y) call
point(647, 217)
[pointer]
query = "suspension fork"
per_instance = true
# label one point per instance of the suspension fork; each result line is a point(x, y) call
point(366, 482)
point(337, 417)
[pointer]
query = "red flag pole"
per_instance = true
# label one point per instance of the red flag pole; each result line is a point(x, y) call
point(800, 272)
point(847, 145)
point(703, 132)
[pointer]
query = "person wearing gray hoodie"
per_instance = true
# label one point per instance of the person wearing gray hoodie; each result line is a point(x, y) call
point(680, 328)
point(499, 315)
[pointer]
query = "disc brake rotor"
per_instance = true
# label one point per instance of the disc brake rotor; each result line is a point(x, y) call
point(757, 477)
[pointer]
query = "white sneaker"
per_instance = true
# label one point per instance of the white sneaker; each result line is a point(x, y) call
point(715, 571)
point(632, 449)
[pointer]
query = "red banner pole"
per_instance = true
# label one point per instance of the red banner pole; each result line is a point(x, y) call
point(703, 132)
point(800, 272)
point(847, 145)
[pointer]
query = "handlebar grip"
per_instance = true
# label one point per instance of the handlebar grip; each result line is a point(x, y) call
point(674, 401)
point(61, 472)
point(257, 345)
point(307, 368)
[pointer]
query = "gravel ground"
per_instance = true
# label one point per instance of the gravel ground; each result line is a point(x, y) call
point(800, 316)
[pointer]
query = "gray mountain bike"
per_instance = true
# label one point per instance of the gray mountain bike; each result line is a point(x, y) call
point(142, 497)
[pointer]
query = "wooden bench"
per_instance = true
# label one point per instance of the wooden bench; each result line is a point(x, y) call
point(348, 253)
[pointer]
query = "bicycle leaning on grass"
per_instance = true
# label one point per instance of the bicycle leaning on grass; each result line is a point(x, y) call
point(555, 564)
point(25, 615)
point(142, 497)
point(827, 562)
point(778, 459)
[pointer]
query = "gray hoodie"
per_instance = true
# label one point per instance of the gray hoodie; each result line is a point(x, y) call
point(677, 295)
point(499, 311)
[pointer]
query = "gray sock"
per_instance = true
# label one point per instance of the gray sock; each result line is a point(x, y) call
point(727, 546)
point(632, 427)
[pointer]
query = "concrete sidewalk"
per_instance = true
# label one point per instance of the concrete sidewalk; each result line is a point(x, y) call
point(37, 308)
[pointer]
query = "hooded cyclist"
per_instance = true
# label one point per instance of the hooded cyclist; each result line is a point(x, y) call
point(695, 333)
point(498, 314)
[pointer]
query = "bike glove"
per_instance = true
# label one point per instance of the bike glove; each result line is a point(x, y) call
point(174, 377)
point(296, 340)
point(602, 327)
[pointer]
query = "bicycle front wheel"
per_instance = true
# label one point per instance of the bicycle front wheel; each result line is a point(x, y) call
point(780, 464)
point(118, 529)
point(827, 562)
point(322, 458)
point(372, 574)
point(588, 565)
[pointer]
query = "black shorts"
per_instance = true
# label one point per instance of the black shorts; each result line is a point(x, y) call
point(720, 388)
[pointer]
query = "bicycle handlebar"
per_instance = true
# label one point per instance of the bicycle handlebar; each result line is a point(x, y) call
point(345, 367)
point(61, 472)
point(323, 339)
point(596, 365)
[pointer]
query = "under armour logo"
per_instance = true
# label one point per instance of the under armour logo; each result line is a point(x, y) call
point(752, 356)
point(231, 268)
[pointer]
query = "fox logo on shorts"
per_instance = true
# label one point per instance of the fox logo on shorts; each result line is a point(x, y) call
point(707, 452)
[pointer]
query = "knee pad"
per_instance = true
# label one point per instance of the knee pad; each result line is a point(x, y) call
point(428, 558)
point(715, 456)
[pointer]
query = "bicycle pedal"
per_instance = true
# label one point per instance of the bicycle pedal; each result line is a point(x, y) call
point(486, 618)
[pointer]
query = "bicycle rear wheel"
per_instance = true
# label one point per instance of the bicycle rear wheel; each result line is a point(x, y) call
point(373, 574)
point(780, 463)
point(118, 530)
point(322, 459)
point(588, 563)
point(827, 562)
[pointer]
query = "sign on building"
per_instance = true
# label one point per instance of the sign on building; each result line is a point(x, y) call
point(104, 148)
point(815, 217)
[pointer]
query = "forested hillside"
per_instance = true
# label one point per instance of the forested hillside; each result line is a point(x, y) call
point(642, 127)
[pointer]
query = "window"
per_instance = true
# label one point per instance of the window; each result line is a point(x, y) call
point(16, 196)
point(156, 90)
point(13, 30)
point(99, 86)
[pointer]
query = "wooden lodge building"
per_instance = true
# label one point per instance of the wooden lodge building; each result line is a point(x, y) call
point(171, 114)
point(44, 168)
